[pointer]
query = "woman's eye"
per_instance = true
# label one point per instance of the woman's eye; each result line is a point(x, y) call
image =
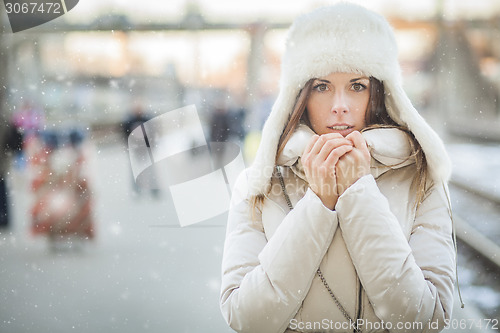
point(358, 86)
point(321, 87)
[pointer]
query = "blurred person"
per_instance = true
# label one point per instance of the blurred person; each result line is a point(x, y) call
point(220, 126)
point(62, 208)
point(29, 120)
point(343, 221)
point(4, 166)
point(136, 118)
point(236, 121)
point(11, 141)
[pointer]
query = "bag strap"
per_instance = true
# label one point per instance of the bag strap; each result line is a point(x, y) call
point(318, 272)
point(450, 212)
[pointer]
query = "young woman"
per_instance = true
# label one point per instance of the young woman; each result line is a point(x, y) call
point(342, 223)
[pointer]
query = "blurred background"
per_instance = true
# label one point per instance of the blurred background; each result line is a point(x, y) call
point(84, 249)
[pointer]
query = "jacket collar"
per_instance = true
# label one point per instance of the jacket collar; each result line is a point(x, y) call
point(390, 148)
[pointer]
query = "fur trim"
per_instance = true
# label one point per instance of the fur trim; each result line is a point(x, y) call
point(342, 38)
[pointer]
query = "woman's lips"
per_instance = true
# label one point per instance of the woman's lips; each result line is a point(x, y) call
point(339, 127)
point(342, 129)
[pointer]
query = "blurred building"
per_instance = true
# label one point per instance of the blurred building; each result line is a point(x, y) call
point(92, 69)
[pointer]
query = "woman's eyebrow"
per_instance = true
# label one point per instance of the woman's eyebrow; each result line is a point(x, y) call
point(359, 78)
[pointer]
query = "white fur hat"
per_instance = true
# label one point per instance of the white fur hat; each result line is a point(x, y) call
point(342, 38)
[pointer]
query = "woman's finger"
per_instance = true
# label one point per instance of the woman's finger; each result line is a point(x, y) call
point(333, 136)
point(357, 140)
point(311, 143)
point(318, 145)
point(332, 144)
point(337, 153)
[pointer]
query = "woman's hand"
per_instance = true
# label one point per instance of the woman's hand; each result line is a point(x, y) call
point(354, 164)
point(319, 160)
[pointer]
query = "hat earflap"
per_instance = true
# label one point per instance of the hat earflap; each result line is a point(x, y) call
point(262, 167)
point(438, 162)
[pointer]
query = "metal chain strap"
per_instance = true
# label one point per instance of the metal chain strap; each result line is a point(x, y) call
point(341, 308)
point(318, 272)
point(282, 182)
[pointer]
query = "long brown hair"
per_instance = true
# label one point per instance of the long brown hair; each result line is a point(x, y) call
point(376, 117)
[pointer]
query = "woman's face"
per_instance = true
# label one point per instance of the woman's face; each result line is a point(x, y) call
point(338, 103)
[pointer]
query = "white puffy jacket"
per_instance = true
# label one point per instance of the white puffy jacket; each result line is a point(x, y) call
point(390, 265)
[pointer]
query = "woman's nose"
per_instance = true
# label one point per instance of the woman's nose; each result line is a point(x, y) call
point(339, 103)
